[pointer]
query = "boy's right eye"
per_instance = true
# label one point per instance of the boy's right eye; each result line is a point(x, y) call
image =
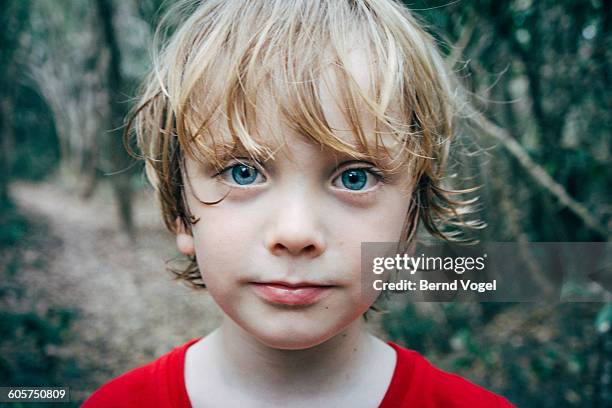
point(241, 174)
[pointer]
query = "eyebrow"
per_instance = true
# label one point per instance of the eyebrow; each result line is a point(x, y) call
point(237, 150)
point(382, 160)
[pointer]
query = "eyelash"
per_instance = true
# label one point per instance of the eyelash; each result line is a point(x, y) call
point(378, 174)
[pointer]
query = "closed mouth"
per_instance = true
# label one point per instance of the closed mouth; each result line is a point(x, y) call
point(292, 294)
point(281, 284)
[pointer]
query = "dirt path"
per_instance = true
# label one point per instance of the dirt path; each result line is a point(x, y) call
point(130, 309)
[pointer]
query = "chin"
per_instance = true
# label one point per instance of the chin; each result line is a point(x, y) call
point(292, 338)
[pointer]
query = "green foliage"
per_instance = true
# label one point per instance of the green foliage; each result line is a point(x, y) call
point(523, 351)
point(32, 332)
point(13, 226)
point(26, 339)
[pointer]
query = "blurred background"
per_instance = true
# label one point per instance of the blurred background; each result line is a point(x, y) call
point(84, 295)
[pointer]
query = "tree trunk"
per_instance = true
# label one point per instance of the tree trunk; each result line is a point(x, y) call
point(118, 155)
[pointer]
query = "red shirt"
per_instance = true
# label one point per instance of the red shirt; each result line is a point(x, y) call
point(415, 384)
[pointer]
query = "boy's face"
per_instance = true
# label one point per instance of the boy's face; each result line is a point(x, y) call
point(281, 254)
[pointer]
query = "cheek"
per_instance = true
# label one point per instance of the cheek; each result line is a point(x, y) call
point(221, 244)
point(381, 223)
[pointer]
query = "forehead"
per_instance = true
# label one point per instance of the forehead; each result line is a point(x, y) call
point(329, 103)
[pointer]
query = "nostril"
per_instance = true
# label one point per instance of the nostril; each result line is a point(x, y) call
point(278, 248)
point(310, 249)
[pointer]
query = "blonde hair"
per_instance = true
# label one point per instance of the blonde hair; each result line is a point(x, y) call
point(227, 51)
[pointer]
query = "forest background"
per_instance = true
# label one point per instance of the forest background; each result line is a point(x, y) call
point(83, 292)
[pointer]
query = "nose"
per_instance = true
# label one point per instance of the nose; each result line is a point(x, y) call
point(295, 226)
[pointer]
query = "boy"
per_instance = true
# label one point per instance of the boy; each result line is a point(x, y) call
point(280, 135)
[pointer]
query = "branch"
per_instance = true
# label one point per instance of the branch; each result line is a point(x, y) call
point(458, 48)
point(540, 176)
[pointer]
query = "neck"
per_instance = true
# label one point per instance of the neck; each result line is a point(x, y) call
point(327, 366)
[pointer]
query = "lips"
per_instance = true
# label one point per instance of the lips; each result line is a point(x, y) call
point(292, 294)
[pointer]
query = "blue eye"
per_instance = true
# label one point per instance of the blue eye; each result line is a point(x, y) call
point(354, 179)
point(243, 174)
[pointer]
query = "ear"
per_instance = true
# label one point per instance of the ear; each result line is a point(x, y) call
point(184, 239)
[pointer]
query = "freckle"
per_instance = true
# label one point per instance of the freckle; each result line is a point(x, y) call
point(344, 335)
point(355, 349)
point(327, 307)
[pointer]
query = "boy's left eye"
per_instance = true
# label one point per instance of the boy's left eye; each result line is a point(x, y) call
point(356, 179)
